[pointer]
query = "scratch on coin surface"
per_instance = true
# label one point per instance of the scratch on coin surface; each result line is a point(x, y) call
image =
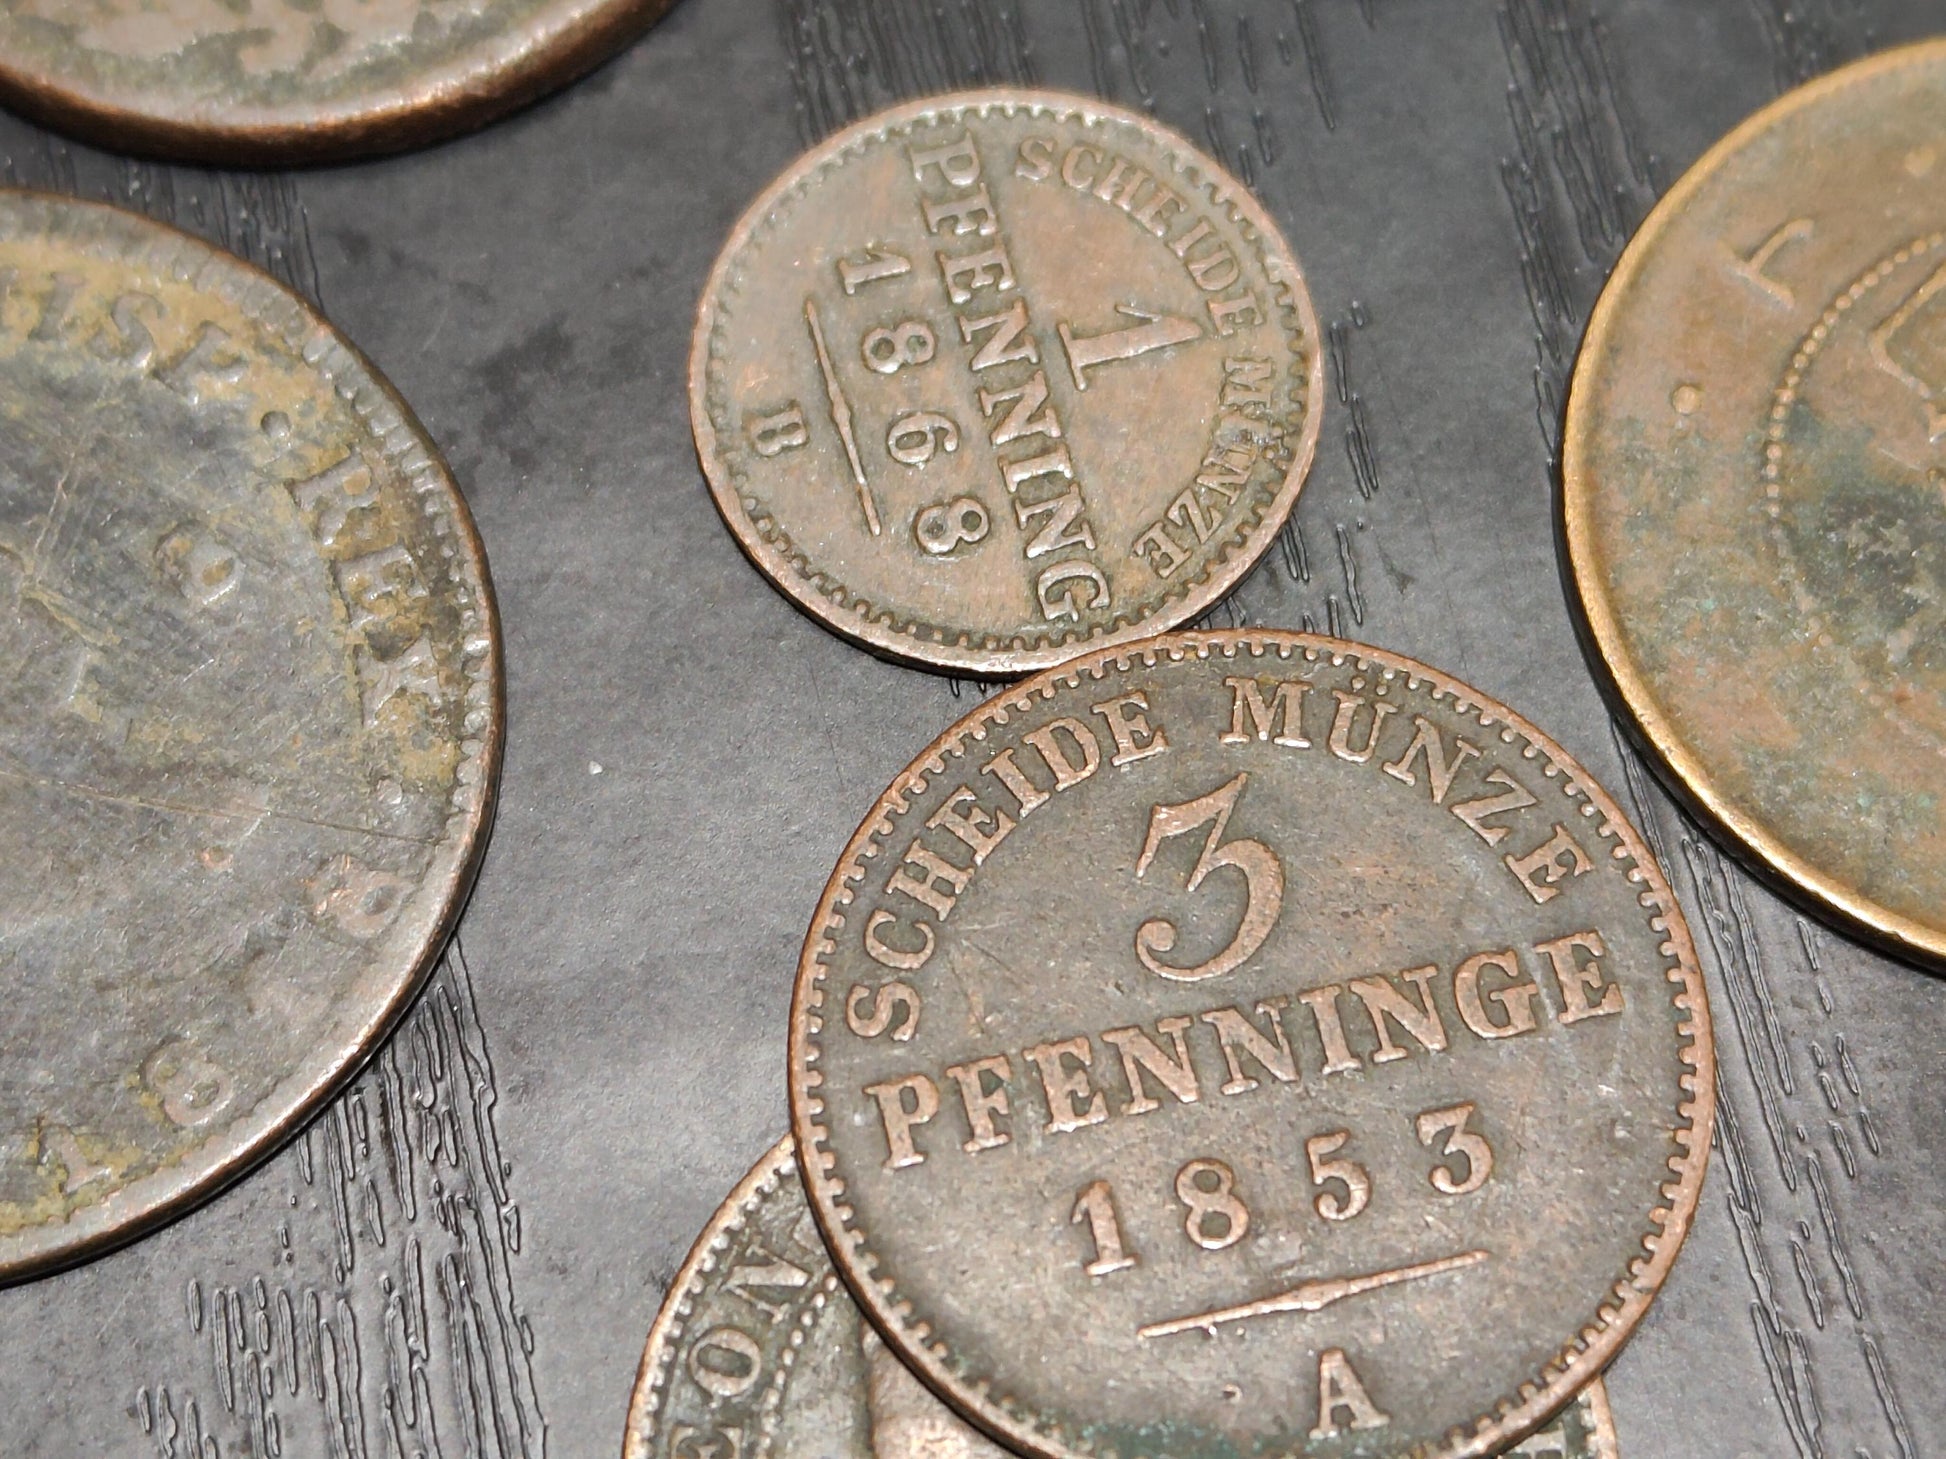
point(841, 417)
point(973, 1002)
point(1312, 1296)
point(239, 813)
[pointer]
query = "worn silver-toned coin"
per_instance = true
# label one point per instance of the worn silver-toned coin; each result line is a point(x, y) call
point(282, 81)
point(251, 727)
point(1251, 1044)
point(989, 379)
point(760, 1353)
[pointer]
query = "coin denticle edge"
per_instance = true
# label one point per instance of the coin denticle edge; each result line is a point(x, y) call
point(652, 1375)
point(1776, 429)
point(356, 380)
point(773, 1401)
point(1616, 1313)
point(126, 239)
point(1614, 666)
point(659, 1354)
point(937, 645)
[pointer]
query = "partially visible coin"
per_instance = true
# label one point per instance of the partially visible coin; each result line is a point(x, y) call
point(992, 378)
point(251, 721)
point(760, 1353)
point(1755, 490)
point(281, 81)
point(1250, 1043)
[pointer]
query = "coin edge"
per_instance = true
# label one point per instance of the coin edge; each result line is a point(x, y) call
point(448, 102)
point(108, 1224)
point(910, 648)
point(1621, 1307)
point(1597, 619)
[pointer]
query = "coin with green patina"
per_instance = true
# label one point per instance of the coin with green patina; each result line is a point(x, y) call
point(1755, 491)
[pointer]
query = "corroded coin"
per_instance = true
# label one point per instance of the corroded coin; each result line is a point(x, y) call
point(1755, 478)
point(992, 378)
point(280, 81)
point(760, 1353)
point(251, 726)
point(1250, 1044)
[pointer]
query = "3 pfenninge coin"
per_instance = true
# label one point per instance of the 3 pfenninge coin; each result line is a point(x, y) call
point(1250, 1043)
point(989, 379)
point(1754, 474)
point(218, 81)
point(759, 1349)
point(251, 727)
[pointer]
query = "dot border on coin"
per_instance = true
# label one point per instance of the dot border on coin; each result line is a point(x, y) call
point(1581, 1357)
point(652, 1374)
point(942, 646)
point(1682, 771)
point(405, 443)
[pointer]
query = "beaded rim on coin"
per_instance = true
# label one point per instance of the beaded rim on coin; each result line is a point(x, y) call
point(168, 1193)
point(933, 646)
point(1678, 766)
point(1582, 1355)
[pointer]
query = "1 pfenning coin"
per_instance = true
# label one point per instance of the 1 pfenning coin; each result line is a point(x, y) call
point(1250, 1044)
point(251, 724)
point(993, 378)
point(1754, 477)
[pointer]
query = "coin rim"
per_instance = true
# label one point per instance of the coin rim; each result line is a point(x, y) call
point(137, 1208)
point(645, 1401)
point(907, 648)
point(1581, 1357)
point(441, 102)
point(1682, 770)
point(1607, 1443)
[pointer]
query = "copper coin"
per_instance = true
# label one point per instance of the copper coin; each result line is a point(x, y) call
point(990, 379)
point(759, 1350)
point(1250, 1043)
point(286, 81)
point(251, 726)
point(1755, 490)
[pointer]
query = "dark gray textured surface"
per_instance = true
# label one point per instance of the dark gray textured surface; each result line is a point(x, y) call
point(463, 1256)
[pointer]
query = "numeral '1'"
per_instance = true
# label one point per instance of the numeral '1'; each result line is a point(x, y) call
point(878, 263)
point(1096, 1206)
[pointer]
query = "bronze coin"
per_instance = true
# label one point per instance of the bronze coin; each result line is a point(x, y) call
point(990, 379)
point(760, 1351)
point(1250, 1043)
point(251, 727)
point(288, 81)
point(1755, 490)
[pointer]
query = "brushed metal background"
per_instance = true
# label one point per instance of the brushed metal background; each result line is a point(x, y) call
point(462, 1257)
